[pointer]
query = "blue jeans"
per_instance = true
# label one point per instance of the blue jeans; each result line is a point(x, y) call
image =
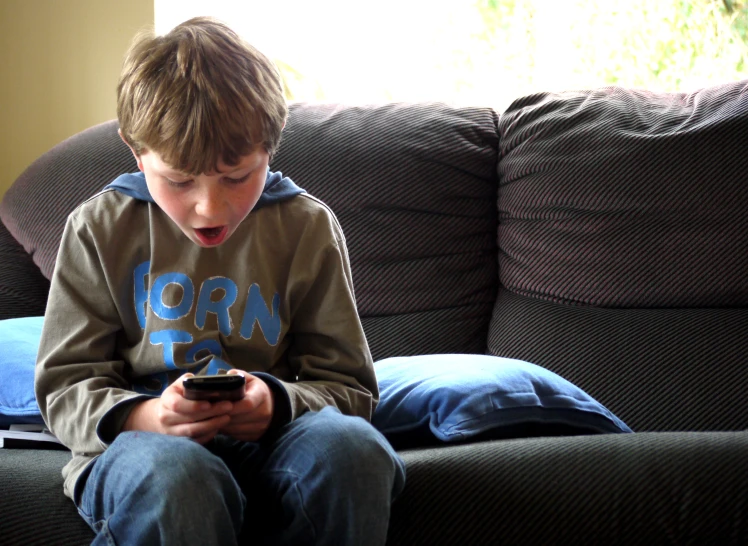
point(325, 478)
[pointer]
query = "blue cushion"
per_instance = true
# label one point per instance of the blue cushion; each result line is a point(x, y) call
point(19, 343)
point(448, 397)
point(457, 397)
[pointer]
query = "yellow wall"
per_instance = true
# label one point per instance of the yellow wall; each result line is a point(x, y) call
point(59, 64)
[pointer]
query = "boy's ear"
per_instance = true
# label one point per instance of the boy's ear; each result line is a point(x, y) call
point(135, 155)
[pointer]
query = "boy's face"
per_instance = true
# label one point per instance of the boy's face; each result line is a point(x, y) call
point(207, 207)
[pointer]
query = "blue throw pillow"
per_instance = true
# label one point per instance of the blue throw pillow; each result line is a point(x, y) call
point(19, 343)
point(457, 397)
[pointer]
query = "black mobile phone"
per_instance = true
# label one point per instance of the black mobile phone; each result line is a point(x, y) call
point(214, 387)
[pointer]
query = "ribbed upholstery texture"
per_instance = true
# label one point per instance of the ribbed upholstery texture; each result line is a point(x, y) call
point(23, 289)
point(610, 490)
point(616, 207)
point(414, 188)
point(656, 369)
point(35, 207)
point(623, 198)
point(34, 510)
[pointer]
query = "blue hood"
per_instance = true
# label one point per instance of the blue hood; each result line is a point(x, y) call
point(277, 188)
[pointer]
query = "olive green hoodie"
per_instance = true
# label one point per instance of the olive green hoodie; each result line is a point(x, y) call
point(134, 304)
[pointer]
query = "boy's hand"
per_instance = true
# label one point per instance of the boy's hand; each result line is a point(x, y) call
point(251, 416)
point(173, 414)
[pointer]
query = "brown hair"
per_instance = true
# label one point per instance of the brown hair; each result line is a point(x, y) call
point(199, 95)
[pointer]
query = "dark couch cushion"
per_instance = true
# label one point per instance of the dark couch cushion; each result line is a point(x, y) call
point(34, 509)
point(656, 369)
point(624, 249)
point(35, 207)
point(414, 187)
point(610, 489)
point(23, 289)
point(624, 198)
point(672, 488)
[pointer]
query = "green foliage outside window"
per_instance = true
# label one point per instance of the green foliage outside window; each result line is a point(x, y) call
point(489, 52)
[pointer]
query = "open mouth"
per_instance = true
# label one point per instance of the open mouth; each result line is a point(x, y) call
point(211, 235)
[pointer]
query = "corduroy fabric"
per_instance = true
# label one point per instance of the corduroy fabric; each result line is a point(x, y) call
point(623, 248)
point(656, 369)
point(23, 289)
point(416, 297)
point(414, 188)
point(608, 490)
point(35, 207)
point(625, 198)
point(34, 510)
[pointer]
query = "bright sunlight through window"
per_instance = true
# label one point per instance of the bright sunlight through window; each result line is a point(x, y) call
point(483, 52)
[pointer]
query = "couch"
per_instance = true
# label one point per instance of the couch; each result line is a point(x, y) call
point(601, 234)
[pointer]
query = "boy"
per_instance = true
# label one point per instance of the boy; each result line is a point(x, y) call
point(206, 263)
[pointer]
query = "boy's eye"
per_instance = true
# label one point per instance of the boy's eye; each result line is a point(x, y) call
point(175, 184)
point(238, 180)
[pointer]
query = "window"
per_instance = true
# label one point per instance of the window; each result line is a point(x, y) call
point(483, 52)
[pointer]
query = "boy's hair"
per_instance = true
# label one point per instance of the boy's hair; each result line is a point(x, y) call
point(199, 95)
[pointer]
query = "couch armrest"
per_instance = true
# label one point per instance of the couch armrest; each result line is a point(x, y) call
point(23, 288)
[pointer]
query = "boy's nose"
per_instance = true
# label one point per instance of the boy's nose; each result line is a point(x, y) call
point(208, 204)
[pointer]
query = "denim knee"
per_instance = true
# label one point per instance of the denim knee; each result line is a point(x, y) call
point(351, 448)
point(170, 486)
point(161, 462)
point(335, 478)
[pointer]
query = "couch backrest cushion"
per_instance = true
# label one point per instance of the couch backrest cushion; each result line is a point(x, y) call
point(624, 198)
point(615, 207)
point(413, 185)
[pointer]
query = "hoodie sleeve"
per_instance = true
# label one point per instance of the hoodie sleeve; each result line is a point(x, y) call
point(328, 351)
point(78, 378)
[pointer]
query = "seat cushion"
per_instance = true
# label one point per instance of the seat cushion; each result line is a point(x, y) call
point(651, 488)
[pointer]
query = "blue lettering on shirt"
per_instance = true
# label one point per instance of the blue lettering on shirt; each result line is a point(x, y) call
point(217, 366)
point(220, 308)
point(256, 311)
point(178, 311)
point(168, 338)
point(211, 345)
point(141, 291)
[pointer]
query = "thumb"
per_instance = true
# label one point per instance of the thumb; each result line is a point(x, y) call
point(248, 377)
point(179, 383)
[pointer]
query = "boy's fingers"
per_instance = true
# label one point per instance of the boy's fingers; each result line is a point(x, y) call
point(202, 428)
